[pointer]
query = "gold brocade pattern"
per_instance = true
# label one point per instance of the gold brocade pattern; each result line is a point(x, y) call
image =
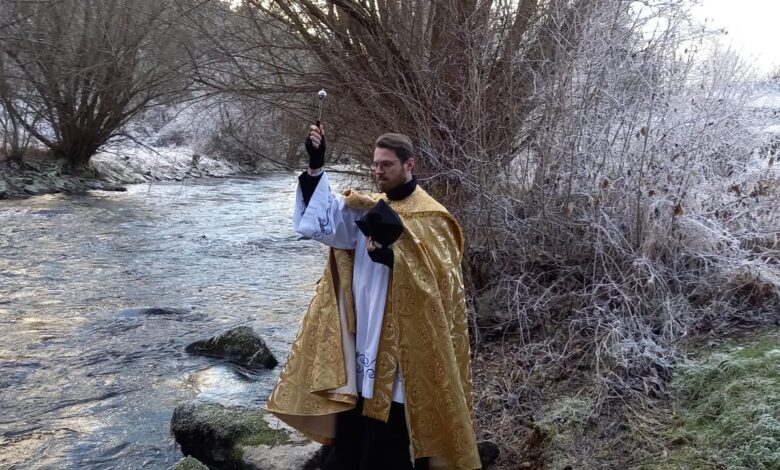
point(315, 365)
point(424, 332)
point(328, 366)
point(434, 348)
point(345, 262)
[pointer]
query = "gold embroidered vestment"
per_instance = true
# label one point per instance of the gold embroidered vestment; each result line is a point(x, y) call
point(424, 333)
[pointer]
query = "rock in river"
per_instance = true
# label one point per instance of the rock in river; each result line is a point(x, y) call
point(238, 438)
point(240, 345)
point(188, 463)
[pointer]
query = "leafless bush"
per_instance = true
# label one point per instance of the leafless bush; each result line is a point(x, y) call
point(630, 205)
point(84, 68)
point(252, 101)
point(599, 155)
point(14, 138)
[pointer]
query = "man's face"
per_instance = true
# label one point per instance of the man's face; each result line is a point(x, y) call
point(389, 172)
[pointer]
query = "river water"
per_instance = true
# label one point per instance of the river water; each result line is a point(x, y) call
point(88, 381)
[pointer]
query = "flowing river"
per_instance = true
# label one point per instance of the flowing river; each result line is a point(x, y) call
point(89, 381)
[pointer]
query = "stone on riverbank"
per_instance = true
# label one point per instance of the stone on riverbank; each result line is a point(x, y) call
point(299, 454)
point(36, 189)
point(39, 178)
point(240, 345)
point(238, 438)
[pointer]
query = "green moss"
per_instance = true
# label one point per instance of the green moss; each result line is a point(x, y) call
point(224, 430)
point(244, 427)
point(262, 433)
point(242, 337)
point(729, 414)
point(236, 454)
point(188, 463)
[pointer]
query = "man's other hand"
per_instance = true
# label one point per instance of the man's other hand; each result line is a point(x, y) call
point(380, 254)
point(372, 245)
point(315, 147)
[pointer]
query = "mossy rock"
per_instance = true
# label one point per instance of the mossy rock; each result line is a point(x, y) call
point(188, 463)
point(215, 434)
point(240, 345)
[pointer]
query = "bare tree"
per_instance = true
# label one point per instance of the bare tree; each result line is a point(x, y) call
point(15, 137)
point(443, 71)
point(88, 66)
point(459, 76)
point(238, 58)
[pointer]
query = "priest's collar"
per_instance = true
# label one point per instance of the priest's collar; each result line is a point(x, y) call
point(403, 191)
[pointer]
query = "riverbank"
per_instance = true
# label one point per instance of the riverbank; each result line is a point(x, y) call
point(718, 408)
point(110, 172)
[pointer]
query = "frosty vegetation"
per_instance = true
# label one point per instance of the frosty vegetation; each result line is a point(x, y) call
point(610, 165)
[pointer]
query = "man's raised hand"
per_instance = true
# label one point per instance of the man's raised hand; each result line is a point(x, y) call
point(315, 147)
point(316, 135)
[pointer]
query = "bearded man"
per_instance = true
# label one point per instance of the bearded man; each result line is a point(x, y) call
point(380, 369)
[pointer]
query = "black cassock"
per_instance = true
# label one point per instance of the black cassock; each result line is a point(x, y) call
point(368, 444)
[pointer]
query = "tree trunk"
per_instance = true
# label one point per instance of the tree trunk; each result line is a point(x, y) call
point(15, 149)
point(77, 146)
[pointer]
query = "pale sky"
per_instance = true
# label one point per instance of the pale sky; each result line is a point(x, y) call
point(753, 28)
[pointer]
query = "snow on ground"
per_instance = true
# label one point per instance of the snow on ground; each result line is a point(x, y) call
point(139, 164)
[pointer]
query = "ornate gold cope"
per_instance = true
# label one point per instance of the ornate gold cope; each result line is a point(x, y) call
point(424, 332)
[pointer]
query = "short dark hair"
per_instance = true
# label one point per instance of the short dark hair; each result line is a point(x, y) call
point(398, 143)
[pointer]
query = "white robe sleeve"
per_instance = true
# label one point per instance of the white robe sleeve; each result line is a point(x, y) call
point(326, 218)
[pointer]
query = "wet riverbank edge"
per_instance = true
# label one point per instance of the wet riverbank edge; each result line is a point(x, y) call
point(20, 180)
point(720, 410)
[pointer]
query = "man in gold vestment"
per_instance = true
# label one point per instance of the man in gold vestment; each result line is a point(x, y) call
point(380, 369)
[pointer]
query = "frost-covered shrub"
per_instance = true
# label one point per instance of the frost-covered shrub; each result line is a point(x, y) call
point(636, 208)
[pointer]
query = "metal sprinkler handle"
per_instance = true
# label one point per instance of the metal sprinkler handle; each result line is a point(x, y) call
point(321, 95)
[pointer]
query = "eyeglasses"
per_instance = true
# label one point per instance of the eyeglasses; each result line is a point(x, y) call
point(384, 166)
